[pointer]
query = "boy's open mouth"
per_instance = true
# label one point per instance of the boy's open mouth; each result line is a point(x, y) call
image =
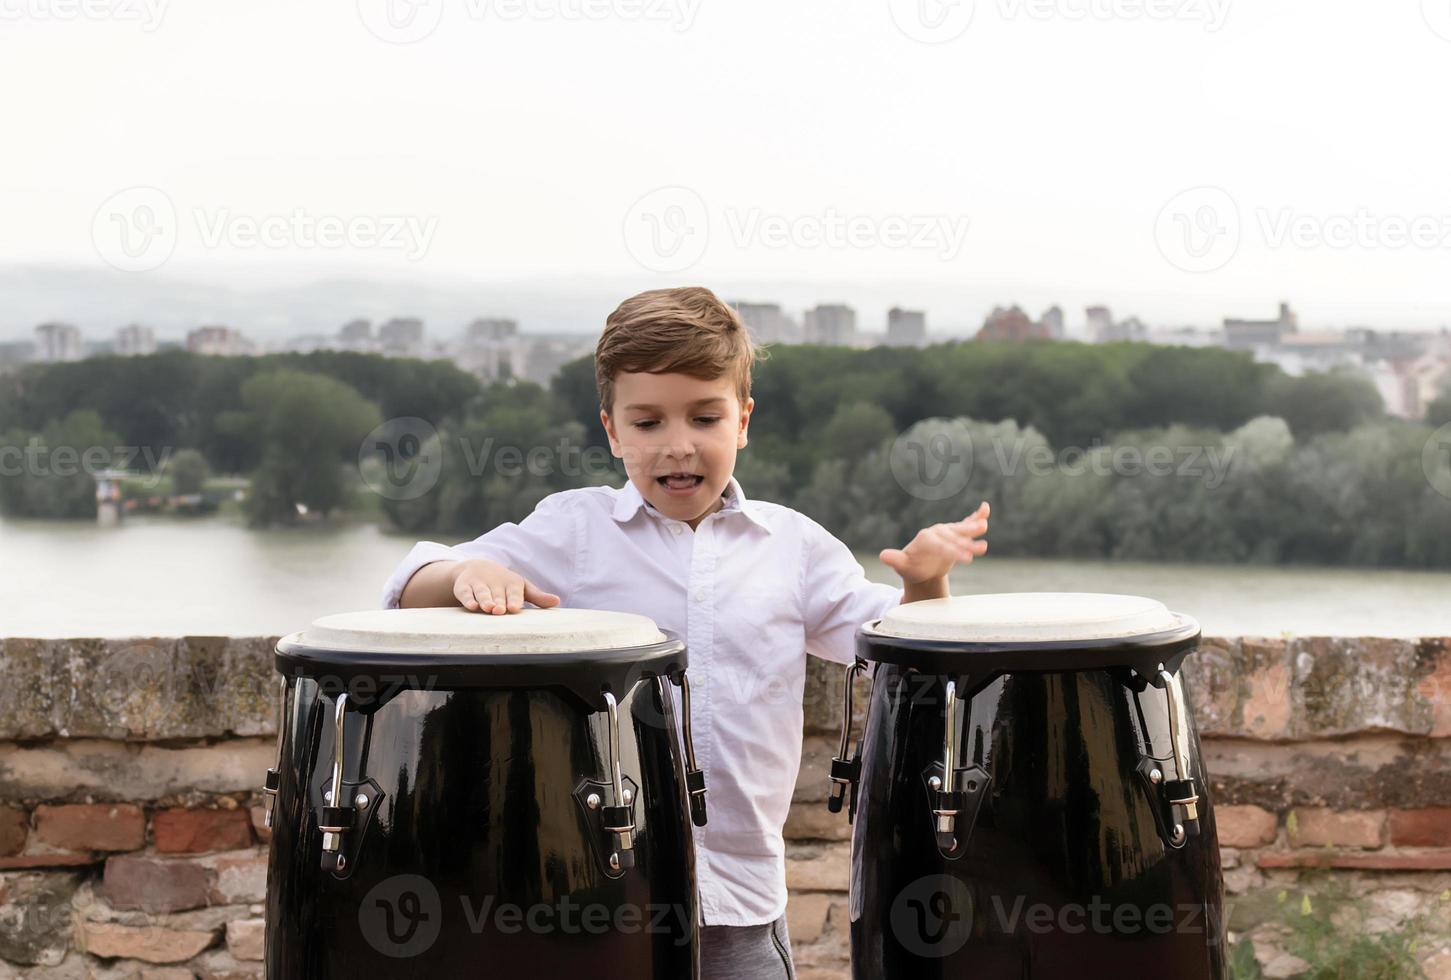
point(680, 481)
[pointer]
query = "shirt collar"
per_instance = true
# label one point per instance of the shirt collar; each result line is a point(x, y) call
point(629, 502)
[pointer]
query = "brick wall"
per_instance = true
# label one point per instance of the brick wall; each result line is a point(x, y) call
point(131, 843)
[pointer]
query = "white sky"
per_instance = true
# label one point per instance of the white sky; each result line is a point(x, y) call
point(1059, 139)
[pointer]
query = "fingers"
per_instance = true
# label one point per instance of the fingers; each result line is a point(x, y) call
point(540, 598)
point(514, 595)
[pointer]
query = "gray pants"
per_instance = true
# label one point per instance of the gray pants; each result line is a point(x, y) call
point(746, 952)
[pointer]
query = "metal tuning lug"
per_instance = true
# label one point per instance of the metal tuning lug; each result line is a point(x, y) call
point(694, 777)
point(1181, 793)
point(846, 772)
point(947, 802)
point(274, 775)
point(619, 819)
point(337, 817)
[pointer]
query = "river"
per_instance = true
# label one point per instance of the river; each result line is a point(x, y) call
point(214, 576)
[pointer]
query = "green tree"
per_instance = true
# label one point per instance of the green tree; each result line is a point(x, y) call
point(52, 473)
point(189, 472)
point(307, 426)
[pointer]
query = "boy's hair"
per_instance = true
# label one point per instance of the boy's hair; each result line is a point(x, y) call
point(685, 330)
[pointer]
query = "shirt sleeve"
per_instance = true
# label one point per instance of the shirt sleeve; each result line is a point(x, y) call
point(838, 597)
point(541, 548)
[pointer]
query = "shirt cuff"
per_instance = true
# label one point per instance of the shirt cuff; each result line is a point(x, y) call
point(423, 553)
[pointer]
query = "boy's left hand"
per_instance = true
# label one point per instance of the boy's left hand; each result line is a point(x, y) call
point(933, 552)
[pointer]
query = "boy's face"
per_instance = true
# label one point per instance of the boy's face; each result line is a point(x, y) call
point(678, 436)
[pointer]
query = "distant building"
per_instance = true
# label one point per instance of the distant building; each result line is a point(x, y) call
point(767, 323)
point(1250, 334)
point(135, 340)
point(356, 334)
point(219, 341)
point(58, 342)
point(1186, 337)
point(402, 337)
point(832, 324)
point(906, 328)
point(491, 330)
point(1011, 325)
point(1052, 321)
point(1100, 323)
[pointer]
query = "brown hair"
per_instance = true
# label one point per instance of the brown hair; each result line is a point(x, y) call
point(685, 330)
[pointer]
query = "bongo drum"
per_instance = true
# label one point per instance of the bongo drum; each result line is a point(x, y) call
point(460, 795)
point(1032, 802)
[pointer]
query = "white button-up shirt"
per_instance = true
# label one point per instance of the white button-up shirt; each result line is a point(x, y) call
point(752, 589)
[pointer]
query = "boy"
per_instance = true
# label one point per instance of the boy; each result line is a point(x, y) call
point(749, 585)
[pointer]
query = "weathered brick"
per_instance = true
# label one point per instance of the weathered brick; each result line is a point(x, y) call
point(155, 885)
point(259, 824)
point(1245, 826)
point(71, 769)
point(1321, 827)
point(824, 868)
point(92, 827)
point(246, 938)
point(806, 916)
point(21, 862)
point(35, 919)
point(1424, 827)
point(182, 831)
point(1427, 860)
point(240, 878)
point(813, 821)
point(150, 944)
point(168, 973)
point(14, 828)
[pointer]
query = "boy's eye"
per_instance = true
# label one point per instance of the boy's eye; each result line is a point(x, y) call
point(651, 423)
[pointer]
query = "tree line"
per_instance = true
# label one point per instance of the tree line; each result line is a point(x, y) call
point(1123, 450)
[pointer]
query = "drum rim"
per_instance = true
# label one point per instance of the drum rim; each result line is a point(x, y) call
point(291, 650)
point(1185, 635)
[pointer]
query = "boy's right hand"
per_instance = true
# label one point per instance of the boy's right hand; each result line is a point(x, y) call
point(486, 586)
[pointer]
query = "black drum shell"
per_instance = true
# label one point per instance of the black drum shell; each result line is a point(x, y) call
point(479, 815)
point(1065, 836)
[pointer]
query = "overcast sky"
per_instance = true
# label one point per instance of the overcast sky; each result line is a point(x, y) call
point(1181, 159)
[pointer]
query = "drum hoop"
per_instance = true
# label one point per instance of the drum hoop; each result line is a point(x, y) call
point(973, 660)
point(585, 673)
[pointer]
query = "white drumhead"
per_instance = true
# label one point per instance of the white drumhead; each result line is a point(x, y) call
point(456, 630)
point(1027, 617)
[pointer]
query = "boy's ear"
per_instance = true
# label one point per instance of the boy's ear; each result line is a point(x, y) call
point(610, 432)
point(746, 410)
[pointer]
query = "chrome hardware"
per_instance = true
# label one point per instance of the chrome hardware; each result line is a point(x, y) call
point(274, 775)
point(694, 777)
point(619, 819)
point(945, 807)
point(846, 772)
point(1181, 791)
point(335, 821)
point(593, 801)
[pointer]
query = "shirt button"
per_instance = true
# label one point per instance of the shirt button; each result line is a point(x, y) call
point(675, 529)
point(699, 595)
